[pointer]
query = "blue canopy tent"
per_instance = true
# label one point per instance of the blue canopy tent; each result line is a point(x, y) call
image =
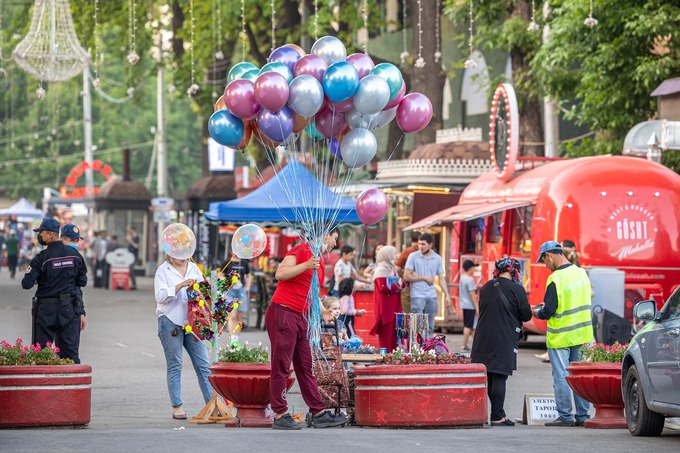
point(294, 195)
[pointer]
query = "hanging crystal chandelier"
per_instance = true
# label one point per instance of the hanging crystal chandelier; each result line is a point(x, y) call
point(50, 52)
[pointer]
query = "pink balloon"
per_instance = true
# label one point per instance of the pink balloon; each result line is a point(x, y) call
point(329, 124)
point(271, 91)
point(372, 206)
point(239, 97)
point(414, 112)
point(400, 95)
point(362, 63)
point(312, 65)
point(339, 107)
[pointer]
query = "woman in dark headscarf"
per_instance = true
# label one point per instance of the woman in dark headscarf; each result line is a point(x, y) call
point(503, 306)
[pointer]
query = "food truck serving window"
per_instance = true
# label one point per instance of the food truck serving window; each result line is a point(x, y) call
point(493, 224)
point(521, 229)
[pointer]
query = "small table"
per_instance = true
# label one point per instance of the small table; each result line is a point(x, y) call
point(360, 358)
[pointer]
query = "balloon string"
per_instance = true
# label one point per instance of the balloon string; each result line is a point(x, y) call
point(391, 154)
point(227, 265)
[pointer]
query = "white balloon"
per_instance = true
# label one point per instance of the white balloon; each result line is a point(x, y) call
point(386, 116)
point(372, 95)
point(330, 49)
point(358, 147)
point(356, 119)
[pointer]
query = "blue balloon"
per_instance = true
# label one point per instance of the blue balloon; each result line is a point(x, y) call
point(281, 68)
point(340, 81)
point(226, 128)
point(251, 74)
point(276, 126)
point(334, 146)
point(313, 132)
point(239, 69)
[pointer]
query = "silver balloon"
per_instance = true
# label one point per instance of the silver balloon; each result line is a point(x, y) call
point(356, 119)
point(306, 95)
point(330, 49)
point(372, 95)
point(385, 117)
point(358, 147)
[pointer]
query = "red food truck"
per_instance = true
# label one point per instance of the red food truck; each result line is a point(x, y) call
point(621, 212)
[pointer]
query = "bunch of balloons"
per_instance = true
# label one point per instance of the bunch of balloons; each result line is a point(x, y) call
point(326, 94)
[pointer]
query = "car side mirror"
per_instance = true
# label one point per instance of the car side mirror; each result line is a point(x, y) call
point(645, 310)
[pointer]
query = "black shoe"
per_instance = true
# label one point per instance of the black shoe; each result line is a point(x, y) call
point(580, 423)
point(286, 422)
point(560, 422)
point(325, 420)
point(506, 422)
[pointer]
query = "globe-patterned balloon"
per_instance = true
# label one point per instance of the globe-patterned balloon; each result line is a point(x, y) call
point(249, 241)
point(178, 241)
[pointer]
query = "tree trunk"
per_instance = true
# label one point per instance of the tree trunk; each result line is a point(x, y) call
point(530, 117)
point(428, 80)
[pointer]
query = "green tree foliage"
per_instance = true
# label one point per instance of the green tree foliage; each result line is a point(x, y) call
point(607, 72)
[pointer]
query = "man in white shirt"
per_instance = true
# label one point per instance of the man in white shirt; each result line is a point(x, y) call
point(345, 269)
point(420, 270)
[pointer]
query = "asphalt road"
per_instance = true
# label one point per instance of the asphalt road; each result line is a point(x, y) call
point(131, 409)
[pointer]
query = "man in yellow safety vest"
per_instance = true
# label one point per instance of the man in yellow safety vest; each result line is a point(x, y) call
point(566, 307)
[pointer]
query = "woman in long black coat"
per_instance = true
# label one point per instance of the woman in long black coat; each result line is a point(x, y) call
point(498, 329)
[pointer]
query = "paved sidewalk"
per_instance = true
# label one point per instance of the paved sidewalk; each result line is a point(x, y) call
point(131, 409)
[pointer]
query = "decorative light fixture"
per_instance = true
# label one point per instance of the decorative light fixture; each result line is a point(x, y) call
point(133, 57)
point(404, 51)
point(273, 26)
point(96, 82)
point(316, 19)
point(437, 39)
point(470, 63)
point(243, 30)
point(193, 89)
point(533, 26)
point(420, 61)
point(364, 13)
point(50, 51)
point(590, 20)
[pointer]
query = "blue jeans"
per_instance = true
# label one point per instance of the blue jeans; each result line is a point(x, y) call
point(242, 297)
point(559, 361)
point(172, 347)
point(426, 305)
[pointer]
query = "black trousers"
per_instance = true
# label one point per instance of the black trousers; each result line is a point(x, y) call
point(496, 390)
point(59, 324)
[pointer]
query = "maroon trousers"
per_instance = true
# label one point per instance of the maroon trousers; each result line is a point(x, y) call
point(287, 332)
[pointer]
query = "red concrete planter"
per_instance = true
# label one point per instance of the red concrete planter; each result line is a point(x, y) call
point(420, 395)
point(599, 383)
point(247, 386)
point(45, 395)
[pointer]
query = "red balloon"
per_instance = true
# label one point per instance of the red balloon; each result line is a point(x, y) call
point(372, 205)
point(414, 113)
point(299, 123)
point(219, 105)
point(239, 97)
point(339, 107)
point(271, 91)
point(312, 65)
point(329, 124)
point(362, 63)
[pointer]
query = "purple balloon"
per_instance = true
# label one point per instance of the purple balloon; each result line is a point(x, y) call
point(276, 126)
point(372, 206)
point(334, 146)
point(239, 97)
point(397, 99)
point(329, 124)
point(312, 65)
point(285, 55)
point(271, 91)
point(362, 63)
point(414, 112)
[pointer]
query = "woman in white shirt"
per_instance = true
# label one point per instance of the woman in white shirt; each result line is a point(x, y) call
point(172, 279)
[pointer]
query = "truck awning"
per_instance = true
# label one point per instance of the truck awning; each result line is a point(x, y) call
point(465, 212)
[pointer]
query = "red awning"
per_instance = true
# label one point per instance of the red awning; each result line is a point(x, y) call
point(465, 212)
point(484, 210)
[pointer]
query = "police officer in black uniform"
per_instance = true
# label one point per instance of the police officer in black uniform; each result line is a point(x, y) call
point(57, 270)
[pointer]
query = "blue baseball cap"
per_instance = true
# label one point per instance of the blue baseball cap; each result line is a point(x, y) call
point(48, 225)
point(549, 246)
point(71, 231)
